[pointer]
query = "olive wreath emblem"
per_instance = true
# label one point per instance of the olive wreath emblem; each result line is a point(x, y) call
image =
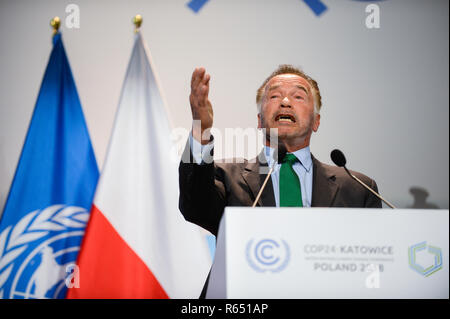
point(14, 239)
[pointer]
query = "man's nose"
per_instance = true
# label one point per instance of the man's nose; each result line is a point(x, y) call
point(285, 102)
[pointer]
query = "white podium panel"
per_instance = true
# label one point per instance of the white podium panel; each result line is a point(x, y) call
point(331, 253)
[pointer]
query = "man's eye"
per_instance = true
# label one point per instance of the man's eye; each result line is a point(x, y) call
point(274, 96)
point(298, 97)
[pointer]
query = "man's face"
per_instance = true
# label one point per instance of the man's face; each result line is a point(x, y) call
point(288, 105)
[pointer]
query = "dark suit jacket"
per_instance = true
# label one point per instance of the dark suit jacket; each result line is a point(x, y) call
point(206, 189)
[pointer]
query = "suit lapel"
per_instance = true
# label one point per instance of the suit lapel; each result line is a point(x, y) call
point(324, 185)
point(255, 179)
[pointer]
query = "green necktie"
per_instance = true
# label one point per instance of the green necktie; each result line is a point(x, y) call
point(290, 192)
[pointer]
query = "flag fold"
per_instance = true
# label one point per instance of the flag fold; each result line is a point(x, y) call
point(137, 243)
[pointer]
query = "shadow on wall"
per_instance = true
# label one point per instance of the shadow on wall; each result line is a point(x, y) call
point(420, 198)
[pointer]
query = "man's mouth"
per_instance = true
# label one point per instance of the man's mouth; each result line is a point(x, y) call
point(285, 118)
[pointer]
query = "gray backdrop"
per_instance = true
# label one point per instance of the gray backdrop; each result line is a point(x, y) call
point(384, 91)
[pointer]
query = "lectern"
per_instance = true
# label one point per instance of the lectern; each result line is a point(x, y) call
point(331, 253)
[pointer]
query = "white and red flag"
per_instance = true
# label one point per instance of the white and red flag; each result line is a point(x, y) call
point(137, 244)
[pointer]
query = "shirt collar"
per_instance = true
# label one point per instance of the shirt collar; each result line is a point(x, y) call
point(303, 155)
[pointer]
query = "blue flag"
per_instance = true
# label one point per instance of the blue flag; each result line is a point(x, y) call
point(48, 205)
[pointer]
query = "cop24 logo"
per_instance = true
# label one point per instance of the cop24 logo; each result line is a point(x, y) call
point(317, 6)
point(425, 259)
point(267, 254)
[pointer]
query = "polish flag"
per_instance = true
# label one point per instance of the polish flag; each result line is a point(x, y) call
point(137, 244)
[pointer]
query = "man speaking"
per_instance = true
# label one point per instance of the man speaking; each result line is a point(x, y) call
point(288, 101)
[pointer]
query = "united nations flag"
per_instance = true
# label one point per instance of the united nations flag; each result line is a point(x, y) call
point(50, 197)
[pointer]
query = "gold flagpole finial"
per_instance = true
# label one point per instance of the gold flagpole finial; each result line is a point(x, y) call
point(137, 20)
point(55, 23)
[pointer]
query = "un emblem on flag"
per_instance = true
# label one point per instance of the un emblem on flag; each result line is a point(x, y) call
point(36, 253)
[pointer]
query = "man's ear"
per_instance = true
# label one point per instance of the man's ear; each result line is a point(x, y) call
point(316, 122)
point(259, 120)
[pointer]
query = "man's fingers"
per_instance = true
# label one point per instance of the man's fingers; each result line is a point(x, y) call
point(197, 77)
point(206, 79)
point(206, 90)
point(199, 88)
point(193, 77)
point(204, 85)
point(200, 96)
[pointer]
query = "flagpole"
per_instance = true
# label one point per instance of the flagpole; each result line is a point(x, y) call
point(137, 21)
point(55, 23)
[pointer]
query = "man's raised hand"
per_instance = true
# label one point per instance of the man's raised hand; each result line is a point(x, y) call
point(201, 106)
